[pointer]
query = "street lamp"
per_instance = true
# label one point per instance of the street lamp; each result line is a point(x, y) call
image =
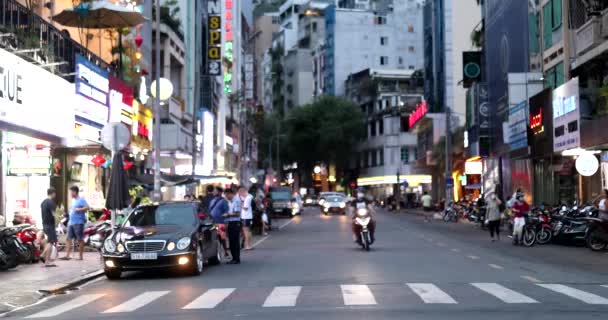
point(317, 169)
point(166, 89)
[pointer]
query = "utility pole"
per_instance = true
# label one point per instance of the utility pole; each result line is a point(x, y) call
point(157, 192)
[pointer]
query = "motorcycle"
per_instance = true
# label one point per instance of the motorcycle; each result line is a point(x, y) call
point(597, 234)
point(450, 214)
point(27, 235)
point(569, 226)
point(363, 220)
point(13, 250)
point(543, 229)
point(95, 235)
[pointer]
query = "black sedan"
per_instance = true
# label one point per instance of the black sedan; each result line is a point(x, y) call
point(169, 235)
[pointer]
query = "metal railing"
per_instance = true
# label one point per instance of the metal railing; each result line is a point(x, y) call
point(18, 22)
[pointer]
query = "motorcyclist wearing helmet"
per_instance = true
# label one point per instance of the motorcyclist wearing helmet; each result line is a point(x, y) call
point(361, 201)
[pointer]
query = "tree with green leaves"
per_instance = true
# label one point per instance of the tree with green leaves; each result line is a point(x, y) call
point(324, 131)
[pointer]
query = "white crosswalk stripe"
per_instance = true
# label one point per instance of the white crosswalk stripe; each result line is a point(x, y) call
point(210, 299)
point(581, 295)
point(283, 297)
point(70, 305)
point(503, 293)
point(430, 293)
point(137, 302)
point(357, 295)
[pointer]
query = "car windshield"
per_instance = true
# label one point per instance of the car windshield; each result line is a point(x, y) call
point(171, 214)
point(281, 196)
point(335, 199)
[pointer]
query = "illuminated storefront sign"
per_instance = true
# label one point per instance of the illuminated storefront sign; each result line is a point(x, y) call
point(92, 88)
point(214, 39)
point(34, 98)
point(228, 47)
point(536, 122)
point(141, 128)
point(419, 112)
point(566, 116)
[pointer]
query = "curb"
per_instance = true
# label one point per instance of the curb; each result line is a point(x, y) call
point(58, 288)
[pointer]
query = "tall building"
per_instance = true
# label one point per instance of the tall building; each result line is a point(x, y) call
point(264, 27)
point(385, 35)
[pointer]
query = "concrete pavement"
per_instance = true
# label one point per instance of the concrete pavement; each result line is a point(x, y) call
point(311, 269)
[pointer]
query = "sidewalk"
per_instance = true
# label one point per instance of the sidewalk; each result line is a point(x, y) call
point(436, 215)
point(28, 283)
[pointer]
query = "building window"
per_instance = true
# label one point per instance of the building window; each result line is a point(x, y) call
point(380, 127)
point(411, 49)
point(405, 154)
point(555, 76)
point(552, 20)
point(411, 67)
point(410, 28)
point(372, 128)
point(400, 60)
point(374, 159)
point(383, 41)
point(383, 60)
point(314, 27)
point(379, 20)
point(381, 157)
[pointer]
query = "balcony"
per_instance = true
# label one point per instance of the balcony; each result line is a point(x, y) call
point(588, 36)
point(175, 138)
point(34, 39)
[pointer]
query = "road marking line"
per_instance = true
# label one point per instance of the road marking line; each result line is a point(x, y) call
point(429, 293)
point(260, 241)
point(532, 279)
point(473, 257)
point(505, 294)
point(581, 295)
point(495, 266)
point(286, 224)
point(137, 302)
point(456, 250)
point(70, 305)
point(357, 295)
point(210, 299)
point(605, 285)
point(283, 297)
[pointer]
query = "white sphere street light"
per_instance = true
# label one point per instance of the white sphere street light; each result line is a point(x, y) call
point(317, 169)
point(166, 89)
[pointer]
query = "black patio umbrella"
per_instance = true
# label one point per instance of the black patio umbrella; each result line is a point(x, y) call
point(118, 193)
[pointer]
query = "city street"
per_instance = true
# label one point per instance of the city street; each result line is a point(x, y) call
point(310, 269)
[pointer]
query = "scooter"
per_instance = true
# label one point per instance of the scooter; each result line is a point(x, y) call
point(597, 234)
point(95, 235)
point(363, 219)
point(8, 249)
point(569, 228)
point(27, 235)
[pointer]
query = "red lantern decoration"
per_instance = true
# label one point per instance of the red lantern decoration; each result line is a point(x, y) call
point(98, 160)
point(127, 165)
point(144, 72)
point(138, 40)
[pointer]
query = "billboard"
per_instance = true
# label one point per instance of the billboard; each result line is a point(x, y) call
point(566, 116)
point(214, 38)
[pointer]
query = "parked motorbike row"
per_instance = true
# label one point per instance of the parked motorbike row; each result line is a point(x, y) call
point(572, 225)
point(20, 244)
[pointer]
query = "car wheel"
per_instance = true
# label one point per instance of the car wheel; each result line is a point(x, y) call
point(113, 274)
point(217, 259)
point(199, 260)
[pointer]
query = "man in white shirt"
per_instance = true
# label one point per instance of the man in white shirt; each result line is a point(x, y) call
point(246, 215)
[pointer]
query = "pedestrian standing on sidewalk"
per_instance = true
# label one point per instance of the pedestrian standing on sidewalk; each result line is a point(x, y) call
point(206, 200)
point(493, 215)
point(233, 219)
point(78, 212)
point(427, 203)
point(47, 208)
point(246, 215)
point(602, 205)
point(218, 207)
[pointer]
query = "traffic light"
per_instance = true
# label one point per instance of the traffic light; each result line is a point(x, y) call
point(353, 185)
point(471, 67)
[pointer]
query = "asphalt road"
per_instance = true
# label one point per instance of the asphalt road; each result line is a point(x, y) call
point(312, 270)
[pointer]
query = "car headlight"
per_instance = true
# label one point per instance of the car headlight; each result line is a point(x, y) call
point(308, 200)
point(109, 245)
point(183, 243)
point(321, 202)
point(342, 205)
point(326, 204)
point(171, 246)
point(120, 248)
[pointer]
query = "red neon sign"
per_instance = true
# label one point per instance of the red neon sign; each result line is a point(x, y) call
point(421, 110)
point(143, 130)
point(228, 18)
point(536, 122)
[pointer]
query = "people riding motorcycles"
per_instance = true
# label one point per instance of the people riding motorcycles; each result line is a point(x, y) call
point(361, 201)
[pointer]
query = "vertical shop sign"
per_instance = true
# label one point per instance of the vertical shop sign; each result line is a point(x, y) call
point(214, 38)
point(228, 46)
point(518, 126)
point(120, 101)
point(92, 87)
point(249, 77)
